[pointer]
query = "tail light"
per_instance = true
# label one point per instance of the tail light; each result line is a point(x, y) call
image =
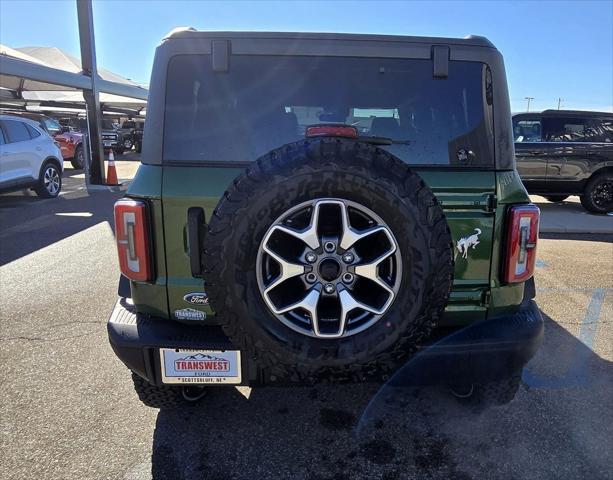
point(522, 236)
point(333, 130)
point(132, 235)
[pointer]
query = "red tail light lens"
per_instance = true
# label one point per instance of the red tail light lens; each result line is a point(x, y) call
point(334, 130)
point(132, 235)
point(522, 236)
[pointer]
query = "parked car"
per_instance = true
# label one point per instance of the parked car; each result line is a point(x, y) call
point(71, 142)
point(29, 157)
point(562, 152)
point(132, 134)
point(263, 249)
point(111, 137)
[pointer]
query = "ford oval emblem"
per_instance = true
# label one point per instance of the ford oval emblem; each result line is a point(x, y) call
point(197, 298)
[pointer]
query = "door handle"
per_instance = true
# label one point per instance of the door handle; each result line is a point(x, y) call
point(195, 239)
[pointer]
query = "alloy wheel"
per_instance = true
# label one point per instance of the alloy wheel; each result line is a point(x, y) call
point(51, 179)
point(602, 194)
point(329, 268)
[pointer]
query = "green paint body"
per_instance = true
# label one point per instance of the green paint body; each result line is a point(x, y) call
point(471, 200)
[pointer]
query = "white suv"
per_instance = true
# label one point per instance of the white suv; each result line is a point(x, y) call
point(29, 158)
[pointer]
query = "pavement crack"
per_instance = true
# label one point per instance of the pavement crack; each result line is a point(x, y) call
point(40, 339)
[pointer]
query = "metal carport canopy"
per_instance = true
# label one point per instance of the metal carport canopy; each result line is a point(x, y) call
point(16, 73)
point(22, 69)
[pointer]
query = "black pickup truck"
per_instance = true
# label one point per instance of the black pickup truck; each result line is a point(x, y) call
point(562, 152)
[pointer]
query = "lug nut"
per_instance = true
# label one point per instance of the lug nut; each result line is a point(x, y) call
point(347, 278)
point(311, 257)
point(311, 277)
point(329, 288)
point(348, 257)
point(329, 247)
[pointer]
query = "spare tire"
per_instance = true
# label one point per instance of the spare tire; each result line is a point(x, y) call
point(345, 296)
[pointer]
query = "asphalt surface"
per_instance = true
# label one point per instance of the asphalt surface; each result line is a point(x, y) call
point(68, 410)
point(555, 217)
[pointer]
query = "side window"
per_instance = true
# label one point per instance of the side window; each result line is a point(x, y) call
point(527, 131)
point(561, 129)
point(2, 142)
point(32, 131)
point(16, 131)
point(599, 130)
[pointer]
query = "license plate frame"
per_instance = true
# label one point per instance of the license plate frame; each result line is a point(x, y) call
point(200, 366)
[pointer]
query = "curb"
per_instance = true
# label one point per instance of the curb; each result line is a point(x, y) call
point(585, 231)
point(121, 187)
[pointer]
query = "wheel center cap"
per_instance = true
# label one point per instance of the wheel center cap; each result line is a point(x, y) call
point(329, 269)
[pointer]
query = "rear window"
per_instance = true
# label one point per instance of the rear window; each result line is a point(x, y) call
point(32, 131)
point(53, 127)
point(263, 102)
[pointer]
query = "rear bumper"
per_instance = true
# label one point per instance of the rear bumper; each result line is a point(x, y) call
point(481, 352)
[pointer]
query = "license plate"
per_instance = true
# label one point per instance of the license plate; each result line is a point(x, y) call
point(200, 366)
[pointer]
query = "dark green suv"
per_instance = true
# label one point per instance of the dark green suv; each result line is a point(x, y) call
point(319, 207)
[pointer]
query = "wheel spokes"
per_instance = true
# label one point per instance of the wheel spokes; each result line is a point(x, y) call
point(349, 235)
point(288, 270)
point(308, 303)
point(371, 270)
point(308, 235)
point(349, 303)
point(315, 309)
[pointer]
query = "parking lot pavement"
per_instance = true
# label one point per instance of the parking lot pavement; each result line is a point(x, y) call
point(569, 216)
point(68, 410)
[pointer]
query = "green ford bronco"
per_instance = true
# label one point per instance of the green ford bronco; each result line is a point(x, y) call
point(322, 208)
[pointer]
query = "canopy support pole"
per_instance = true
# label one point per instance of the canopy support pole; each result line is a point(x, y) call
point(92, 97)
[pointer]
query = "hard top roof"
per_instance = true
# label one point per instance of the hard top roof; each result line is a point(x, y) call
point(188, 32)
point(565, 113)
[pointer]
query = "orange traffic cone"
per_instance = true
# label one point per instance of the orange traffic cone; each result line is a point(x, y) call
point(111, 173)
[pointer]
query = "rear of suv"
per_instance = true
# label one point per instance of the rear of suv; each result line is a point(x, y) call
point(319, 207)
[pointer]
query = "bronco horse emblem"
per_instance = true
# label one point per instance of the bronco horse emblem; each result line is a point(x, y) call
point(465, 243)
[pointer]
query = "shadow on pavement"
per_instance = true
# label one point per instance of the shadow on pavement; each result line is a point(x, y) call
point(558, 426)
point(30, 223)
point(585, 237)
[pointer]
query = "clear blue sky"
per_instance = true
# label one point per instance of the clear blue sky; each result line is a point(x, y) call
point(552, 48)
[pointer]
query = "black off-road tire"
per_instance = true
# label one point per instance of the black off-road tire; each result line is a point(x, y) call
point(165, 396)
point(78, 161)
point(588, 198)
point(327, 168)
point(157, 397)
point(138, 146)
point(556, 198)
